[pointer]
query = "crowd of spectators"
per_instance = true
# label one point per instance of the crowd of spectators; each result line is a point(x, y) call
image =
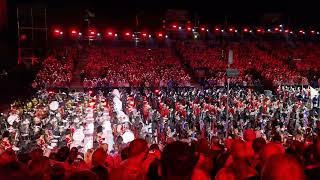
point(56, 70)
point(176, 133)
point(199, 56)
point(304, 55)
point(133, 67)
point(248, 58)
point(301, 56)
point(276, 71)
point(280, 63)
point(213, 57)
point(308, 58)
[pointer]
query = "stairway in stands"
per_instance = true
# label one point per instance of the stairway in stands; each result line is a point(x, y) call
point(76, 83)
point(187, 68)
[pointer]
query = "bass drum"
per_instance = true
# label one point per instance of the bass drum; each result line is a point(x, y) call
point(127, 137)
point(54, 105)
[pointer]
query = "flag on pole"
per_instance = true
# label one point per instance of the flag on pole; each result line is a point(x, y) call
point(91, 14)
point(137, 20)
point(313, 92)
point(230, 57)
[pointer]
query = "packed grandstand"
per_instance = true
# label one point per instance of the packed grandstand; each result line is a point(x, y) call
point(103, 112)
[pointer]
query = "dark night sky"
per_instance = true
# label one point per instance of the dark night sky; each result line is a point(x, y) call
point(122, 12)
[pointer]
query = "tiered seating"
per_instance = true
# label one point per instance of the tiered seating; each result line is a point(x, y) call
point(133, 67)
point(56, 70)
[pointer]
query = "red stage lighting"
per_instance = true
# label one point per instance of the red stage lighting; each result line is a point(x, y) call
point(203, 29)
point(23, 37)
point(144, 34)
point(90, 92)
point(286, 31)
point(231, 29)
point(189, 28)
point(217, 29)
point(57, 32)
point(92, 32)
point(276, 29)
point(110, 33)
point(74, 33)
point(312, 31)
point(127, 34)
point(259, 30)
point(174, 26)
point(245, 30)
point(160, 34)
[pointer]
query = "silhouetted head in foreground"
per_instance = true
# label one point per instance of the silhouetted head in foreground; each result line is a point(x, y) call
point(282, 166)
point(177, 161)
